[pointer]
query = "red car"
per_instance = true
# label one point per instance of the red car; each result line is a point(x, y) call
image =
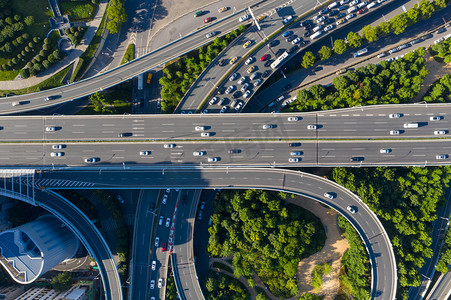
point(207, 20)
point(361, 11)
point(264, 57)
point(163, 247)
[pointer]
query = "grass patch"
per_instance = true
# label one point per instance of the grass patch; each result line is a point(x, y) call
point(52, 82)
point(129, 54)
point(77, 11)
point(117, 98)
point(317, 274)
point(39, 9)
point(222, 267)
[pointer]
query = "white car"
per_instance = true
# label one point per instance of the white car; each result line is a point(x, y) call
point(154, 265)
point(152, 284)
point(293, 160)
point(199, 153)
point(258, 82)
point(247, 94)
point(92, 160)
point(213, 101)
point(287, 19)
point(165, 198)
point(160, 222)
point(311, 127)
point(350, 16)
point(230, 89)
point(395, 132)
point(160, 283)
point(293, 119)
point(199, 128)
point(238, 106)
point(234, 75)
point(245, 87)
point(329, 195)
point(268, 126)
point(168, 222)
point(212, 159)
point(169, 145)
point(242, 80)
point(205, 134)
point(441, 156)
point(329, 27)
point(321, 19)
point(385, 151)
point(211, 34)
point(57, 154)
point(295, 153)
point(57, 147)
point(223, 109)
point(249, 60)
point(50, 128)
point(144, 153)
point(439, 132)
point(295, 41)
point(350, 209)
point(433, 118)
point(243, 18)
point(157, 241)
point(395, 116)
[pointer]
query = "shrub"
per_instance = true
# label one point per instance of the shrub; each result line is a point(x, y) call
point(25, 73)
point(42, 53)
point(38, 58)
point(37, 67)
point(17, 18)
point(57, 53)
point(67, 31)
point(29, 20)
point(29, 64)
point(46, 41)
point(46, 64)
point(15, 43)
point(19, 56)
point(35, 39)
point(52, 59)
point(31, 44)
point(9, 20)
point(33, 72)
point(20, 40)
point(27, 49)
point(46, 46)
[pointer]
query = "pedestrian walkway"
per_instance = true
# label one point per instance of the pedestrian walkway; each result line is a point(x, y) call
point(72, 56)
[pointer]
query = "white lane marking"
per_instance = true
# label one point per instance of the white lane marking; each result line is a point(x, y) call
point(233, 123)
point(267, 156)
point(356, 115)
point(87, 150)
point(138, 120)
point(20, 125)
point(380, 129)
point(380, 122)
point(107, 131)
point(349, 122)
point(349, 129)
point(78, 125)
point(118, 150)
point(228, 130)
point(78, 132)
point(358, 148)
point(328, 149)
point(111, 125)
point(168, 131)
point(381, 115)
point(418, 114)
point(345, 115)
point(419, 155)
point(369, 115)
point(168, 124)
point(333, 115)
point(138, 128)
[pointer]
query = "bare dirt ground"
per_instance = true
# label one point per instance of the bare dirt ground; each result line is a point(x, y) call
point(332, 251)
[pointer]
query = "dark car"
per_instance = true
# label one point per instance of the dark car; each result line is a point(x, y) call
point(223, 62)
point(232, 151)
point(125, 134)
point(268, 63)
point(317, 69)
point(294, 144)
point(266, 73)
point(333, 13)
point(443, 29)
point(303, 43)
point(273, 43)
point(341, 15)
point(325, 10)
point(306, 22)
point(327, 21)
point(293, 49)
point(308, 26)
point(307, 33)
point(280, 51)
point(290, 38)
point(222, 90)
point(357, 158)
point(287, 87)
point(236, 94)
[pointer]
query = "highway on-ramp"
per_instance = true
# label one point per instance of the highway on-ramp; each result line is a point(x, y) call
point(373, 234)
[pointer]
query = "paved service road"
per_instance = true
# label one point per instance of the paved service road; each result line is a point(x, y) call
point(442, 289)
point(367, 224)
point(89, 235)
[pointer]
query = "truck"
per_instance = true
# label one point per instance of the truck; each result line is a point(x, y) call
point(140, 81)
point(410, 125)
point(316, 35)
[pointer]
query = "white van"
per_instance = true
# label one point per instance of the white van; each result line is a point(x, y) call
point(318, 28)
point(332, 5)
point(343, 2)
point(354, 2)
point(371, 5)
point(410, 125)
point(315, 35)
point(352, 9)
point(361, 5)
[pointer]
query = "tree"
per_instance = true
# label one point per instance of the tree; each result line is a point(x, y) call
point(62, 282)
point(308, 59)
point(261, 296)
point(57, 53)
point(17, 18)
point(46, 64)
point(25, 73)
point(399, 23)
point(9, 20)
point(29, 20)
point(339, 46)
point(116, 16)
point(384, 28)
point(325, 53)
point(354, 39)
point(370, 33)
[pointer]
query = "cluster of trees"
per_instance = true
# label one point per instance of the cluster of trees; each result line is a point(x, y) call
point(445, 257)
point(99, 103)
point(317, 274)
point(171, 290)
point(116, 15)
point(420, 11)
point(406, 202)
point(75, 34)
point(440, 91)
point(308, 296)
point(179, 76)
point(388, 82)
point(265, 235)
point(443, 50)
point(113, 206)
point(224, 287)
point(82, 203)
point(356, 276)
point(62, 281)
point(43, 60)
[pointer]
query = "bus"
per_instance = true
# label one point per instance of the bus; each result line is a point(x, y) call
point(140, 81)
point(360, 52)
point(149, 78)
point(279, 60)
